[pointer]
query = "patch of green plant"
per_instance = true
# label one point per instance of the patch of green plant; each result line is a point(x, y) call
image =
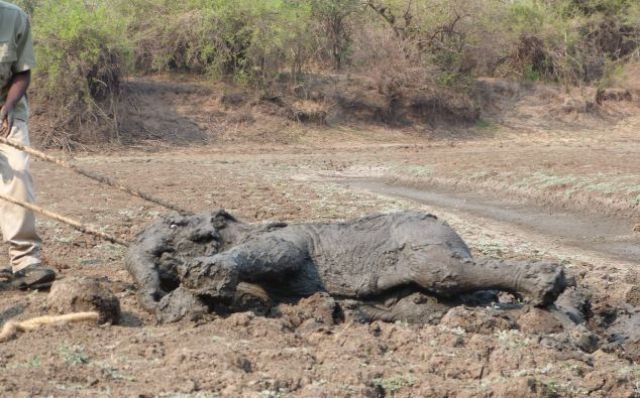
point(114, 373)
point(82, 51)
point(73, 355)
point(550, 389)
point(280, 393)
point(485, 124)
point(416, 170)
point(612, 71)
point(492, 249)
point(394, 384)
point(530, 74)
point(33, 362)
point(250, 41)
point(513, 339)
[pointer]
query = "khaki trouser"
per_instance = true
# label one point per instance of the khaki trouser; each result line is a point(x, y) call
point(18, 225)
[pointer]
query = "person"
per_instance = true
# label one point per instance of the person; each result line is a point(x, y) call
point(17, 224)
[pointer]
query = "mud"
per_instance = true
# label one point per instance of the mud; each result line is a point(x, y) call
point(254, 169)
point(79, 294)
point(311, 314)
point(363, 260)
point(479, 320)
point(403, 267)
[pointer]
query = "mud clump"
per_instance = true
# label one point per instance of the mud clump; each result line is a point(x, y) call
point(478, 320)
point(80, 294)
point(537, 321)
point(575, 303)
point(584, 339)
point(632, 297)
point(311, 313)
point(620, 328)
point(404, 306)
point(617, 95)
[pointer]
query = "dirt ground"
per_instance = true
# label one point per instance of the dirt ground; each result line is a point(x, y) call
point(515, 187)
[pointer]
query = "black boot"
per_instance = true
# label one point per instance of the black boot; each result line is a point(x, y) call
point(34, 276)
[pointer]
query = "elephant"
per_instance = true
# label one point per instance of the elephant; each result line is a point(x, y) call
point(379, 262)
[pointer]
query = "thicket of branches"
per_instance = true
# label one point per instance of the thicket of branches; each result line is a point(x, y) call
point(84, 47)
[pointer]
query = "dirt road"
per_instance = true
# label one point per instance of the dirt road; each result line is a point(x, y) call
point(595, 235)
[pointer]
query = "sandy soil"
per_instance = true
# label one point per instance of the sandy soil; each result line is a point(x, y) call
point(299, 173)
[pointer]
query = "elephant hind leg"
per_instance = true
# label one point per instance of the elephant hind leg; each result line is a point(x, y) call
point(541, 283)
point(435, 269)
point(538, 283)
point(415, 308)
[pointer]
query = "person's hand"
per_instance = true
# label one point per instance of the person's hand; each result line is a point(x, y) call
point(6, 118)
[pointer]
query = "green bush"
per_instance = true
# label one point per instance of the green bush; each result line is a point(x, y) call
point(254, 41)
point(249, 40)
point(84, 47)
point(82, 52)
point(331, 19)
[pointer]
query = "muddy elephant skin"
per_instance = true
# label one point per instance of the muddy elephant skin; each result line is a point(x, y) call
point(209, 255)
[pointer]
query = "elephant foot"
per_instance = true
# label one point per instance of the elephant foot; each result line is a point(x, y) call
point(211, 277)
point(180, 304)
point(542, 283)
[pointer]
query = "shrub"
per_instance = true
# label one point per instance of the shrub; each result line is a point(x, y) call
point(249, 40)
point(333, 31)
point(81, 50)
point(573, 41)
point(85, 47)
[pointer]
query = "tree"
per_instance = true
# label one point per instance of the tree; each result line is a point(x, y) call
point(332, 16)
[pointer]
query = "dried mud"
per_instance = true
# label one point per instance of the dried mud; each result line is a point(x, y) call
point(79, 294)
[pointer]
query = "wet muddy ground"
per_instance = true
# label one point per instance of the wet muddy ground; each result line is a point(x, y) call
point(301, 352)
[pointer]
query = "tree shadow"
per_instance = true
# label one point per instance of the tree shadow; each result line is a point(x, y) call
point(163, 112)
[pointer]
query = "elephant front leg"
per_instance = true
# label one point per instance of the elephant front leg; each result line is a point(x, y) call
point(262, 260)
point(180, 304)
point(214, 277)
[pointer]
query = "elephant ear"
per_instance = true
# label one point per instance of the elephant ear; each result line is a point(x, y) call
point(221, 218)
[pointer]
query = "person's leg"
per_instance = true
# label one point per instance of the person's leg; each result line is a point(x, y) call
point(18, 225)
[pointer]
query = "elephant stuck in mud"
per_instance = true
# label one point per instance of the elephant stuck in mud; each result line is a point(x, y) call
point(385, 265)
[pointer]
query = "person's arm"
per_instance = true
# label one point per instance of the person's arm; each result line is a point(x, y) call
point(17, 89)
point(21, 69)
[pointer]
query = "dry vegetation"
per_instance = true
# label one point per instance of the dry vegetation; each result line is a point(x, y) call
point(390, 61)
